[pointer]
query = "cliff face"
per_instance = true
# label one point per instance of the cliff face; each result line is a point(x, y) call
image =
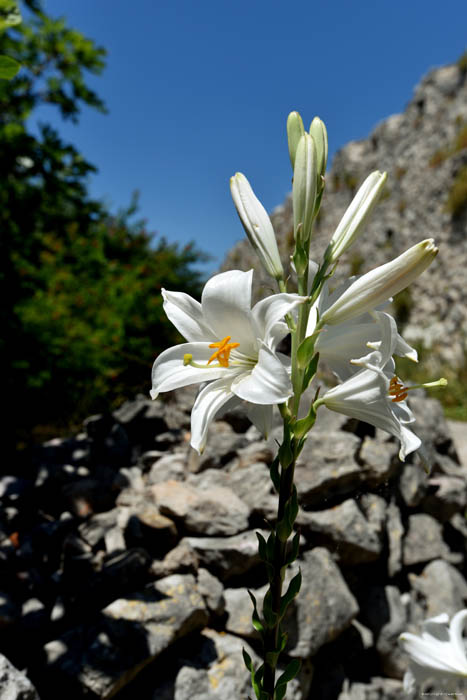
point(424, 151)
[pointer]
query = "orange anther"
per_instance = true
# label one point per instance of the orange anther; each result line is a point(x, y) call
point(222, 353)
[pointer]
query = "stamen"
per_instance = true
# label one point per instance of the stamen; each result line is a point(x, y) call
point(398, 392)
point(222, 353)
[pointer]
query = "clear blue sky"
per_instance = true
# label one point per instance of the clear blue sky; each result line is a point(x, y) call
point(197, 90)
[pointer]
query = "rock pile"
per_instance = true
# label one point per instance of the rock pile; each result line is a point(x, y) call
point(125, 558)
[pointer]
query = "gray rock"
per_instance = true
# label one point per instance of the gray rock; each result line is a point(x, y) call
point(217, 511)
point(171, 466)
point(95, 529)
point(324, 608)
point(222, 446)
point(130, 633)
point(379, 461)
point(225, 678)
point(181, 559)
point(14, 685)
point(327, 467)
point(212, 591)
point(423, 541)
point(344, 530)
point(449, 498)
point(413, 484)
point(395, 530)
point(252, 483)
point(377, 689)
point(259, 451)
point(148, 528)
point(374, 509)
point(227, 556)
point(394, 661)
point(442, 588)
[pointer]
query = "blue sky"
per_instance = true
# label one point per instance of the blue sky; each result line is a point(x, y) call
point(199, 90)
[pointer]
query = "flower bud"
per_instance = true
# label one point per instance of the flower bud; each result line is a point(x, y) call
point(378, 285)
point(295, 130)
point(304, 188)
point(257, 225)
point(356, 216)
point(320, 137)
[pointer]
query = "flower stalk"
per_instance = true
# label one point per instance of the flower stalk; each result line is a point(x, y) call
point(232, 349)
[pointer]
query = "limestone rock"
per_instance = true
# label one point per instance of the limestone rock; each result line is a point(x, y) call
point(131, 632)
point(395, 530)
point(346, 531)
point(423, 541)
point(442, 587)
point(227, 556)
point(217, 511)
point(325, 606)
point(14, 685)
point(327, 468)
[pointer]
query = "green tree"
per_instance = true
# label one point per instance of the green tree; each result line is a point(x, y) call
point(83, 318)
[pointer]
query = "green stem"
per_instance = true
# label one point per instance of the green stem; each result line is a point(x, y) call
point(272, 637)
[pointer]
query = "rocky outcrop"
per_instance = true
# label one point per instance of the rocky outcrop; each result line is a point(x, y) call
point(126, 559)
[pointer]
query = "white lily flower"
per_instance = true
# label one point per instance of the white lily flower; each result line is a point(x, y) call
point(231, 346)
point(356, 216)
point(257, 225)
point(371, 395)
point(377, 286)
point(439, 652)
point(338, 344)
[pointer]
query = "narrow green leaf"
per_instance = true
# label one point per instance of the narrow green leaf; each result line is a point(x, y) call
point(310, 372)
point(290, 672)
point(293, 553)
point(247, 660)
point(262, 547)
point(256, 676)
point(257, 683)
point(274, 473)
point(8, 67)
point(306, 351)
point(292, 592)
point(280, 691)
point(271, 545)
point(292, 507)
point(255, 619)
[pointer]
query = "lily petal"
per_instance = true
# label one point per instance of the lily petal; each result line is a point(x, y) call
point(261, 417)
point(267, 312)
point(208, 402)
point(267, 383)
point(455, 630)
point(226, 303)
point(187, 316)
point(169, 372)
